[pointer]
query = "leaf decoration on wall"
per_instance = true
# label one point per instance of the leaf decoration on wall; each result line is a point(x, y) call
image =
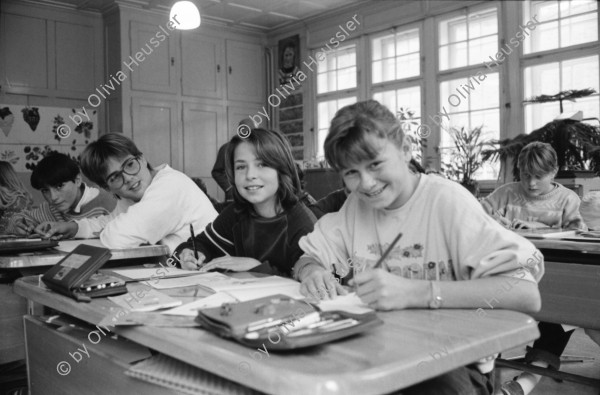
point(9, 156)
point(6, 120)
point(58, 120)
point(31, 116)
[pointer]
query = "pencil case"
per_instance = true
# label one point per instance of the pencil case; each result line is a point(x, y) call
point(75, 275)
point(282, 323)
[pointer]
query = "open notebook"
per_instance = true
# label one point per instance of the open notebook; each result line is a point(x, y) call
point(171, 373)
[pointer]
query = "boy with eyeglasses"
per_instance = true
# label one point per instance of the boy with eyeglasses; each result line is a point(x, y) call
point(67, 197)
point(155, 205)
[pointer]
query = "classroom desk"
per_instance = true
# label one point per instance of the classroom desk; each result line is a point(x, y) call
point(411, 346)
point(13, 307)
point(51, 257)
point(570, 287)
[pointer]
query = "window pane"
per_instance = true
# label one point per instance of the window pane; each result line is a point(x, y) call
point(551, 78)
point(337, 71)
point(543, 38)
point(485, 94)
point(400, 60)
point(565, 23)
point(545, 10)
point(568, 8)
point(346, 78)
point(481, 48)
point(482, 24)
point(325, 112)
point(580, 73)
point(467, 40)
point(579, 29)
point(407, 66)
point(542, 79)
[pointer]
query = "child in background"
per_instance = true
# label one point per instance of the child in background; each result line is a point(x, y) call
point(67, 197)
point(14, 197)
point(434, 263)
point(536, 201)
point(155, 205)
point(260, 231)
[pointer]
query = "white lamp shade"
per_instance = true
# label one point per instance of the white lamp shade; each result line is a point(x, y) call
point(187, 14)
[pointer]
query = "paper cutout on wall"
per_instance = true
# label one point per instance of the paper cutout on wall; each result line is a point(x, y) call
point(83, 131)
point(6, 120)
point(31, 116)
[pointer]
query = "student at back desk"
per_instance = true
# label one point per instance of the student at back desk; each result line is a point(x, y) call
point(536, 201)
point(67, 197)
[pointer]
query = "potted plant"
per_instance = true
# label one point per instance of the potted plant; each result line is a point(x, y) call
point(573, 140)
point(465, 158)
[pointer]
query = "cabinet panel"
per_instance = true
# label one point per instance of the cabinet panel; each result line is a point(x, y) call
point(152, 59)
point(74, 57)
point(245, 71)
point(25, 39)
point(202, 66)
point(201, 126)
point(236, 113)
point(154, 127)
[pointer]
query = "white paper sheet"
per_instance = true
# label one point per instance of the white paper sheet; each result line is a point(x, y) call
point(154, 273)
point(350, 303)
point(191, 309)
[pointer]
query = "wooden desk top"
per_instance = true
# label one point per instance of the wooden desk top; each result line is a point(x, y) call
point(589, 247)
point(412, 345)
point(52, 256)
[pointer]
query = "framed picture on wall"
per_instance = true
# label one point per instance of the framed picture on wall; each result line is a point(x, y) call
point(289, 58)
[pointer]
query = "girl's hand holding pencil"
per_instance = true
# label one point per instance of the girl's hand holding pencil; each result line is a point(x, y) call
point(188, 261)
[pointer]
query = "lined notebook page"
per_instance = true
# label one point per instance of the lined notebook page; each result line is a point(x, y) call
point(172, 373)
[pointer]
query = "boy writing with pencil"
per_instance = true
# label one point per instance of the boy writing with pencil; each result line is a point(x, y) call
point(450, 255)
point(536, 201)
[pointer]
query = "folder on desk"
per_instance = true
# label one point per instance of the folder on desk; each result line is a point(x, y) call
point(296, 323)
point(75, 275)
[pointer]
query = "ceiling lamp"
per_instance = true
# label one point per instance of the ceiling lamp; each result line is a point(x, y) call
point(187, 14)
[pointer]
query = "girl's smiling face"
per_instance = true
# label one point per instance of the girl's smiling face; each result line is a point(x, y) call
point(134, 182)
point(384, 182)
point(255, 182)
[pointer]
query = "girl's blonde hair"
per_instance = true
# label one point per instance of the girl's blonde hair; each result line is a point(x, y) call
point(11, 188)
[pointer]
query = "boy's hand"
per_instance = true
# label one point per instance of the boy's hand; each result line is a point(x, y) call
point(22, 228)
point(57, 230)
point(233, 263)
point(502, 220)
point(385, 291)
point(520, 224)
point(187, 260)
point(318, 283)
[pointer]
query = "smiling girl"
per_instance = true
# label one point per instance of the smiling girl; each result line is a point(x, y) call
point(260, 231)
point(155, 205)
point(451, 253)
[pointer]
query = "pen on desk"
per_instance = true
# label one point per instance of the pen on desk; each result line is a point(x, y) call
point(387, 252)
point(193, 241)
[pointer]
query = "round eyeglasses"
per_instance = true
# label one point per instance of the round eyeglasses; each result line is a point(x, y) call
point(130, 167)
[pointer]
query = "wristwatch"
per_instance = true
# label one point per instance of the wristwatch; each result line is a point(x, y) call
point(435, 297)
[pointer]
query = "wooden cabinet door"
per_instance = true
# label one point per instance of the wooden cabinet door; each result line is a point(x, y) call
point(24, 38)
point(155, 130)
point(202, 66)
point(245, 71)
point(201, 141)
point(151, 62)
